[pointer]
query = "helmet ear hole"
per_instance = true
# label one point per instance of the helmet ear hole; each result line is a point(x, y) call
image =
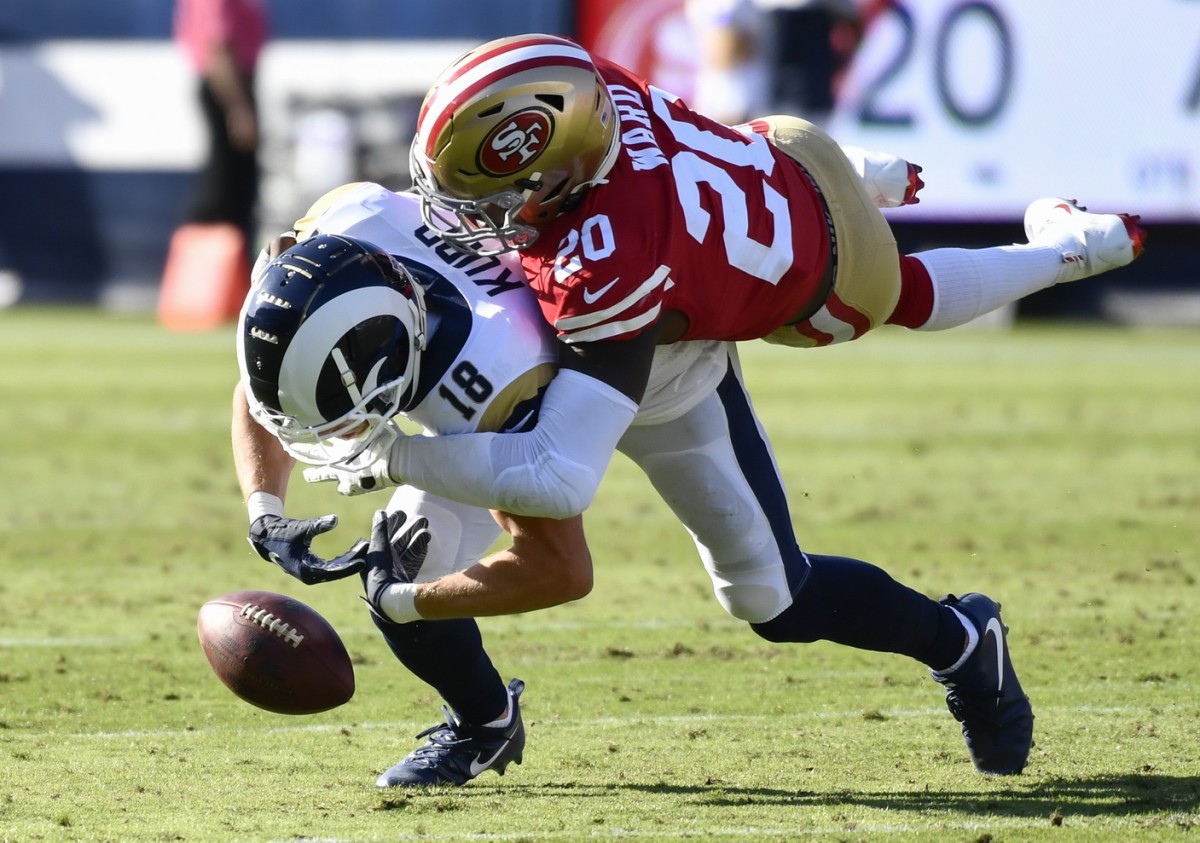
point(572, 202)
point(549, 206)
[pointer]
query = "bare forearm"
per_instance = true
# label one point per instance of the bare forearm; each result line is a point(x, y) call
point(493, 586)
point(548, 564)
point(259, 460)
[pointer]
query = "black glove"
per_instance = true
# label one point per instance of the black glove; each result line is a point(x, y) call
point(288, 543)
point(395, 555)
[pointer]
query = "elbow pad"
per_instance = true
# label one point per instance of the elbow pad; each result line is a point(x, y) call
point(548, 486)
point(554, 470)
point(551, 471)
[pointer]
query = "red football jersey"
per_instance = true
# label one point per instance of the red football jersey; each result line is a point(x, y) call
point(694, 216)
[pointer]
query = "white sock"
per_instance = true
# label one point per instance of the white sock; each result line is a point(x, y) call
point(505, 718)
point(971, 282)
point(972, 640)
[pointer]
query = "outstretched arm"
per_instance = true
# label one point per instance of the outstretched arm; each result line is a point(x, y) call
point(550, 471)
point(263, 469)
point(261, 463)
point(428, 559)
point(547, 564)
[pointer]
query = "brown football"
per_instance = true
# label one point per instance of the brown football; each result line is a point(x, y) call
point(275, 652)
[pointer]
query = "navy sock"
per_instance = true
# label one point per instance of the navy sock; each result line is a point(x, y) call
point(857, 604)
point(449, 656)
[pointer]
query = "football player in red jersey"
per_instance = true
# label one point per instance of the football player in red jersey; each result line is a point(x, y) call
point(641, 223)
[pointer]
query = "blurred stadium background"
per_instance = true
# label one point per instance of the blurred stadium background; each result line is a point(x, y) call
point(1000, 101)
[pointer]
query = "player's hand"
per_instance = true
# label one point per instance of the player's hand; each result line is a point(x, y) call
point(370, 471)
point(399, 545)
point(890, 180)
point(288, 543)
point(358, 481)
point(241, 127)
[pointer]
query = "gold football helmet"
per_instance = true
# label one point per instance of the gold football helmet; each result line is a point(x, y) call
point(508, 134)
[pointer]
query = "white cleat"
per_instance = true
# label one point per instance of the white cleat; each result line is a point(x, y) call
point(1090, 243)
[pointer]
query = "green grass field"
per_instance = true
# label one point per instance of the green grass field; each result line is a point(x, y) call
point(1056, 469)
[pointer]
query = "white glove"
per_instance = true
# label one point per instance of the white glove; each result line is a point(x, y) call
point(890, 181)
point(370, 471)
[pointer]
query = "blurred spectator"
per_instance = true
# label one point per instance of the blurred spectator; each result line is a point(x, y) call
point(799, 50)
point(758, 57)
point(208, 261)
point(222, 40)
point(732, 82)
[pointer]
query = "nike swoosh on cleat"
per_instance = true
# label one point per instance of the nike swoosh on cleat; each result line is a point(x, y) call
point(993, 626)
point(478, 766)
point(591, 296)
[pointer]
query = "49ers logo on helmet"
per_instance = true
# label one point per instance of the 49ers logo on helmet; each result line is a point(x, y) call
point(515, 142)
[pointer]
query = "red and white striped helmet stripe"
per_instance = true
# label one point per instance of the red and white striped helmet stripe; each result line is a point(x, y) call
point(480, 70)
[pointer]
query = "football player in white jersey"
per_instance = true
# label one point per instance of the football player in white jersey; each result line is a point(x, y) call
point(340, 334)
point(370, 315)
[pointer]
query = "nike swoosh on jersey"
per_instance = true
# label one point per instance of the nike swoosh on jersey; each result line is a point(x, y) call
point(519, 427)
point(993, 626)
point(478, 766)
point(591, 296)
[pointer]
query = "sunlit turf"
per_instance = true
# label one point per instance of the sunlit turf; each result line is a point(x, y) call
point(1055, 468)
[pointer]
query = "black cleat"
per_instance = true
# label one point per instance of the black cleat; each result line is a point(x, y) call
point(984, 695)
point(456, 753)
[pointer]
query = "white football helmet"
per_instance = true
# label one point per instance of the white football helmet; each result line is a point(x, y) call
point(507, 136)
point(329, 346)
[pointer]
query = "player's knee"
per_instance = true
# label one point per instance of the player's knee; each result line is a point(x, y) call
point(751, 602)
